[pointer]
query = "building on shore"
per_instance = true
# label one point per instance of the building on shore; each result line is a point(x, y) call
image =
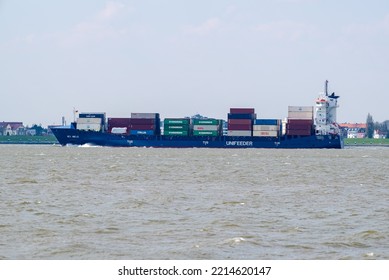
point(12, 128)
point(353, 130)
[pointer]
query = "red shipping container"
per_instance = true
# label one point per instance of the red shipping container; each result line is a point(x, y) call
point(300, 121)
point(142, 127)
point(118, 122)
point(143, 121)
point(299, 126)
point(299, 132)
point(240, 126)
point(242, 110)
point(240, 121)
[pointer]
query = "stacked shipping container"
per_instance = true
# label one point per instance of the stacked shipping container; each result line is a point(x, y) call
point(91, 121)
point(240, 121)
point(207, 127)
point(267, 127)
point(300, 121)
point(176, 126)
point(138, 124)
point(145, 124)
point(119, 125)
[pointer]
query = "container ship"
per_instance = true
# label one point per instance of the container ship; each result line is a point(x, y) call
point(305, 127)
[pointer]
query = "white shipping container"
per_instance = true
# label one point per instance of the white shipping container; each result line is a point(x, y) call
point(266, 127)
point(300, 108)
point(206, 127)
point(265, 133)
point(89, 120)
point(144, 115)
point(300, 115)
point(119, 130)
point(89, 126)
point(239, 133)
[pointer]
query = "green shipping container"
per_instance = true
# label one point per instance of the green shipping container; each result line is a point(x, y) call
point(176, 132)
point(176, 121)
point(176, 127)
point(205, 133)
point(205, 122)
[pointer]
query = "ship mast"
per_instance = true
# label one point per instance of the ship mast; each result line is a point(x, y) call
point(326, 87)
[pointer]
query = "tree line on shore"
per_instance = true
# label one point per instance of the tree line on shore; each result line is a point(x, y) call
point(371, 126)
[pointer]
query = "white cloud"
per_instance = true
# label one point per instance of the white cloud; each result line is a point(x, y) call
point(97, 28)
point(205, 27)
point(110, 10)
point(230, 10)
point(371, 28)
point(285, 30)
point(28, 39)
point(385, 22)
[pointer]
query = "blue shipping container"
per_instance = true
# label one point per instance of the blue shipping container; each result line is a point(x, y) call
point(242, 116)
point(92, 115)
point(267, 122)
point(142, 132)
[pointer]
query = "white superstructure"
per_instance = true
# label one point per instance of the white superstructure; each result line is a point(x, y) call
point(325, 113)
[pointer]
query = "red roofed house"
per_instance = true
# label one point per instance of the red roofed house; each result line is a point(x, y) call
point(354, 130)
point(12, 128)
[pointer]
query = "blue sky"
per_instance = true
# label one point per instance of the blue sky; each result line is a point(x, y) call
point(180, 58)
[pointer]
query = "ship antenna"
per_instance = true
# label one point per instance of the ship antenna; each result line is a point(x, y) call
point(326, 87)
point(74, 114)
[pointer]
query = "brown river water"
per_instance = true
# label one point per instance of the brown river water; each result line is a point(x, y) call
point(144, 203)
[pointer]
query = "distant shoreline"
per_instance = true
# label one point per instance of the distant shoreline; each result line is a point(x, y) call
point(366, 145)
point(365, 142)
point(28, 143)
point(28, 140)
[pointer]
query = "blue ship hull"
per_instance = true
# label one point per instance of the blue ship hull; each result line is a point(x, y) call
point(71, 136)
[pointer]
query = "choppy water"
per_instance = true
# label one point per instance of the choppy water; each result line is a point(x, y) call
point(138, 203)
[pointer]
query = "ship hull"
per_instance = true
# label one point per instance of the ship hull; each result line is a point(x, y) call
point(71, 136)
